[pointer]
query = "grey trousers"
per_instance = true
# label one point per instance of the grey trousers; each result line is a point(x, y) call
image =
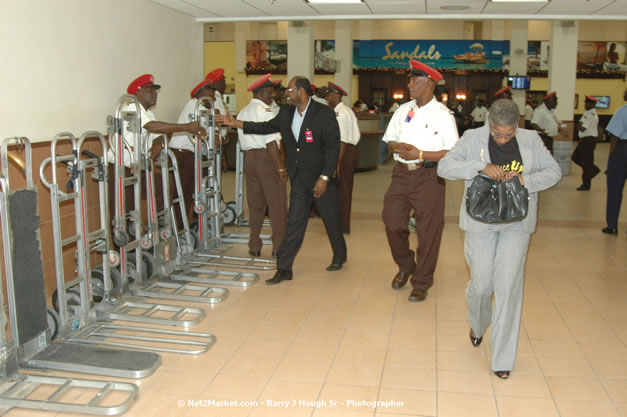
point(497, 265)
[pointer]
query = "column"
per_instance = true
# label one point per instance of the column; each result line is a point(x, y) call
point(300, 50)
point(563, 67)
point(344, 56)
point(518, 57)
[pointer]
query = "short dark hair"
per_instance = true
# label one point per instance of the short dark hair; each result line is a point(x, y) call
point(303, 82)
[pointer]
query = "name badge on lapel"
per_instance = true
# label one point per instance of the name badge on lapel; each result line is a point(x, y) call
point(308, 136)
point(409, 116)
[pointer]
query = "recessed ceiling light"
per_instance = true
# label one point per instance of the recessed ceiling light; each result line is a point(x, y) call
point(520, 1)
point(334, 1)
point(455, 7)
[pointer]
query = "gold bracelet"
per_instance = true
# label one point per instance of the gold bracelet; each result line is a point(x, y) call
point(420, 156)
point(281, 169)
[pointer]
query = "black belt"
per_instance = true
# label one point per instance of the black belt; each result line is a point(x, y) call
point(255, 149)
point(417, 165)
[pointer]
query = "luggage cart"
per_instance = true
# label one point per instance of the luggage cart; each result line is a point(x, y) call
point(77, 322)
point(111, 305)
point(26, 294)
point(207, 200)
point(141, 286)
point(188, 242)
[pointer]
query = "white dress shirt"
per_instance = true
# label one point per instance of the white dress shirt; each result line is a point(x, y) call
point(545, 119)
point(183, 141)
point(129, 137)
point(346, 119)
point(590, 122)
point(431, 128)
point(256, 111)
point(479, 114)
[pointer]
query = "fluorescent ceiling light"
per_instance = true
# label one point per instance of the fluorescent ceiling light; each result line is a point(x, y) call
point(455, 7)
point(334, 1)
point(520, 1)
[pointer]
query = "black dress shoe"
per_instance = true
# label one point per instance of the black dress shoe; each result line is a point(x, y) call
point(583, 188)
point(596, 171)
point(400, 279)
point(476, 341)
point(610, 230)
point(335, 266)
point(254, 253)
point(502, 374)
point(280, 275)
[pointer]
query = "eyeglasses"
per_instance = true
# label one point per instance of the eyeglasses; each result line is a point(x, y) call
point(289, 90)
point(507, 136)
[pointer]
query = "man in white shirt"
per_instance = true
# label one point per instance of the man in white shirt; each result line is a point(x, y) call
point(583, 155)
point(320, 94)
point(264, 164)
point(544, 120)
point(479, 114)
point(528, 113)
point(349, 154)
point(182, 145)
point(145, 89)
point(419, 134)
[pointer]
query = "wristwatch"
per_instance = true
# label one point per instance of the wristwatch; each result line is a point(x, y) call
point(324, 177)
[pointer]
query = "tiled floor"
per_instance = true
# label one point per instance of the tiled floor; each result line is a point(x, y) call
point(331, 344)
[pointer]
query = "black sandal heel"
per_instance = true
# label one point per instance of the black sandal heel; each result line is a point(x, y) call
point(476, 341)
point(502, 374)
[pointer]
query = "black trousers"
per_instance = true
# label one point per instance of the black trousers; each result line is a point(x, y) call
point(301, 199)
point(583, 155)
point(548, 142)
point(616, 175)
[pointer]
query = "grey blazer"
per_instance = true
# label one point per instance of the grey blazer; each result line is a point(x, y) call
point(470, 155)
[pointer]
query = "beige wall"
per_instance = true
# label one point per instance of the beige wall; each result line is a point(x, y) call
point(64, 64)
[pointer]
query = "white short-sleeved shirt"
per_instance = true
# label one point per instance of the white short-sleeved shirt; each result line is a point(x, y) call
point(183, 140)
point(256, 111)
point(545, 119)
point(479, 114)
point(431, 128)
point(130, 137)
point(528, 111)
point(590, 122)
point(349, 129)
point(618, 123)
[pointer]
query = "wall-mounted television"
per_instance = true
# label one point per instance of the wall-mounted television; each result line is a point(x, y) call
point(603, 103)
point(519, 82)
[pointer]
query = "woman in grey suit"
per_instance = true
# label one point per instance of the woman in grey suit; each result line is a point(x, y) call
point(496, 253)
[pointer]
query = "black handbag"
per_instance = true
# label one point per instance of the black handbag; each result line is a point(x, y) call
point(491, 201)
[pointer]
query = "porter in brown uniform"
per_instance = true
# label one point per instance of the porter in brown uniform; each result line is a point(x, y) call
point(420, 133)
point(264, 163)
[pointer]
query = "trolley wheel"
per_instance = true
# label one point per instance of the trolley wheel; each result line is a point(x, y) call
point(232, 204)
point(199, 208)
point(196, 238)
point(187, 248)
point(131, 269)
point(114, 259)
point(228, 215)
point(146, 242)
point(97, 284)
point(72, 297)
point(54, 322)
point(149, 264)
point(130, 229)
point(164, 234)
point(120, 238)
point(193, 227)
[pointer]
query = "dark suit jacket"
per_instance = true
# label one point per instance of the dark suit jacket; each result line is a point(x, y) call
point(305, 161)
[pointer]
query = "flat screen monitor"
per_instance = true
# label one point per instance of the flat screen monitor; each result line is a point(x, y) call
point(603, 103)
point(519, 82)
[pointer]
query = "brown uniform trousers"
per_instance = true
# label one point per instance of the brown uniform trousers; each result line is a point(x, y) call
point(423, 191)
point(185, 160)
point(348, 165)
point(264, 191)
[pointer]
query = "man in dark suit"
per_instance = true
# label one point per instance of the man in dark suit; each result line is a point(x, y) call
point(311, 139)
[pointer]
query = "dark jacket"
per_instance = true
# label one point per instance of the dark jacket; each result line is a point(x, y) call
point(305, 161)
